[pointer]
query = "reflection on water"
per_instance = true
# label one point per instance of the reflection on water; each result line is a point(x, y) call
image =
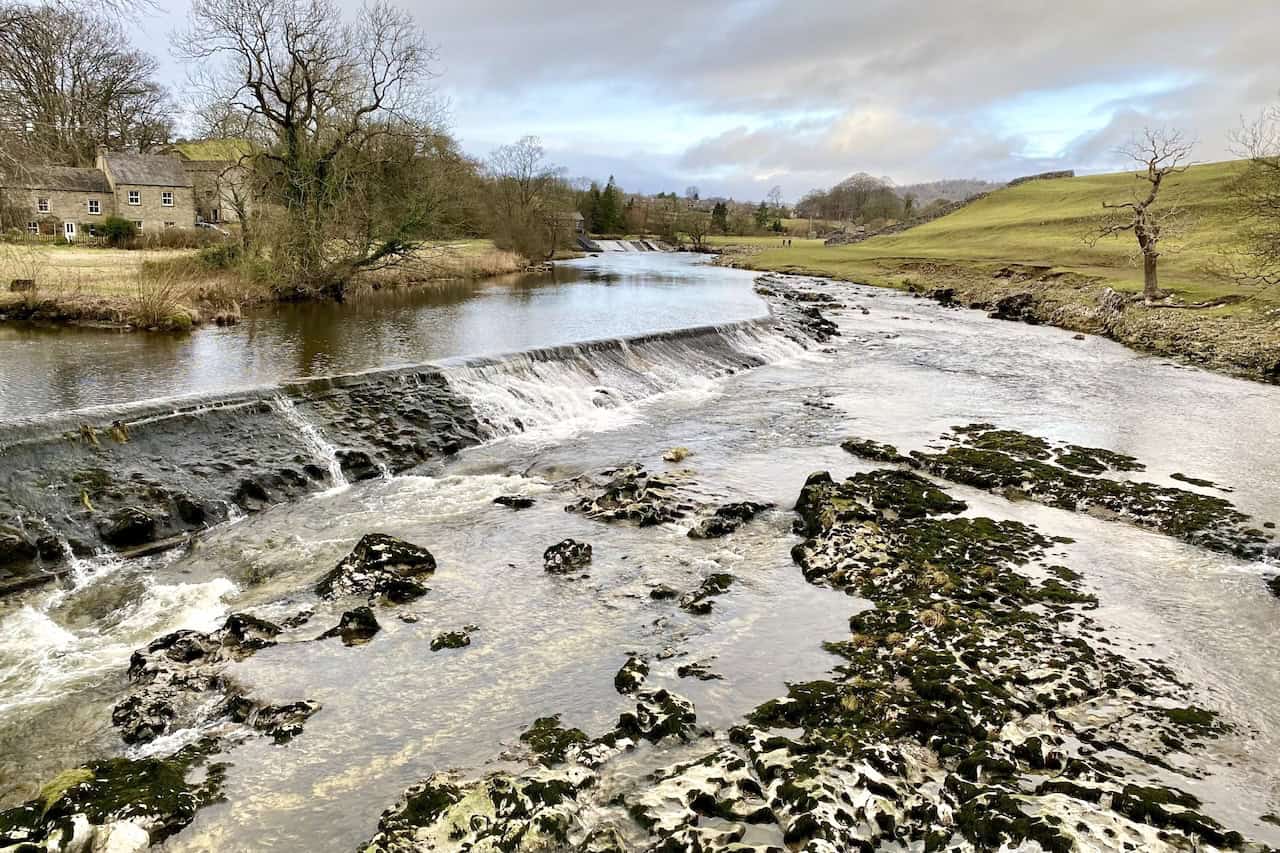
point(46, 370)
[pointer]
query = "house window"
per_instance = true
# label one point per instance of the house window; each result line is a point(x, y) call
point(137, 223)
point(33, 227)
point(169, 224)
point(135, 196)
point(166, 198)
point(95, 207)
point(42, 205)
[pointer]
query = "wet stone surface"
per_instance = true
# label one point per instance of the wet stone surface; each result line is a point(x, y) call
point(975, 710)
point(1017, 466)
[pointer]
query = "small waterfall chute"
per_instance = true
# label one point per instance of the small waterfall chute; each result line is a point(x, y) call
point(314, 439)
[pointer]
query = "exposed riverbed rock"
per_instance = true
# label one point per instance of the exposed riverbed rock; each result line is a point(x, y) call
point(356, 627)
point(179, 681)
point(380, 566)
point(566, 556)
point(699, 601)
point(118, 805)
point(454, 639)
point(1021, 466)
point(727, 519)
point(514, 501)
point(631, 494)
point(975, 710)
point(632, 676)
point(127, 526)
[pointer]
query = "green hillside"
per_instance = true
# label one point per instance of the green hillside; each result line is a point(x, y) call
point(1043, 223)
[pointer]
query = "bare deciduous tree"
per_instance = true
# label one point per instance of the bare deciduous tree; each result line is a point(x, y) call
point(68, 85)
point(1257, 194)
point(1162, 153)
point(529, 199)
point(340, 114)
point(695, 224)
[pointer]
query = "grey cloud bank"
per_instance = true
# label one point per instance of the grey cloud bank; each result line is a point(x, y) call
point(737, 97)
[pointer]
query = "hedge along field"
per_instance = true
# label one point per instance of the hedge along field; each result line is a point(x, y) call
point(1043, 223)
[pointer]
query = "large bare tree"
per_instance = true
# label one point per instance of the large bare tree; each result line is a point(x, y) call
point(1257, 196)
point(1162, 154)
point(340, 114)
point(529, 199)
point(68, 83)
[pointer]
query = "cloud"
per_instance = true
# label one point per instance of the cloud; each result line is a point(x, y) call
point(746, 93)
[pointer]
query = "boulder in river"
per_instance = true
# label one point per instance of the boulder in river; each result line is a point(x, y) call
point(631, 494)
point(127, 526)
point(15, 547)
point(727, 519)
point(380, 565)
point(514, 501)
point(631, 677)
point(566, 556)
point(698, 601)
point(356, 627)
point(453, 639)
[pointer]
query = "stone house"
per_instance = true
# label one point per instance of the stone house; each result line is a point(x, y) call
point(218, 177)
point(150, 190)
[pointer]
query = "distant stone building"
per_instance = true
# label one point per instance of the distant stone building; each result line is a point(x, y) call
point(219, 178)
point(152, 191)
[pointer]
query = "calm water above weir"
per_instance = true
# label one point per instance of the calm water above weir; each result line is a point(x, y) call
point(397, 709)
point(615, 294)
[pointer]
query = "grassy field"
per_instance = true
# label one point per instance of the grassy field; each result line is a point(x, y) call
point(1042, 223)
point(1028, 243)
point(171, 288)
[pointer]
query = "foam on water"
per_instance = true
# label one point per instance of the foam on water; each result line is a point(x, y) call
point(42, 659)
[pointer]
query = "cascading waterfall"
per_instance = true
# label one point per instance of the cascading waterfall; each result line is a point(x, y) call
point(596, 386)
point(323, 449)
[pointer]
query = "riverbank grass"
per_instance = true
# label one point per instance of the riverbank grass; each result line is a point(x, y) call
point(178, 288)
point(1044, 223)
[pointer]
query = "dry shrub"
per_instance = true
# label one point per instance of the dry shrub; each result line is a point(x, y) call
point(159, 298)
point(20, 262)
point(177, 238)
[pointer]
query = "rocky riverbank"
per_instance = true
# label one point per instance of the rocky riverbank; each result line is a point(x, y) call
point(1213, 335)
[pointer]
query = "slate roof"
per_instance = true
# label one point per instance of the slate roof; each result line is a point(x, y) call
point(147, 170)
point(58, 178)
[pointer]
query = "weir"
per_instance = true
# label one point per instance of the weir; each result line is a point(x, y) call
point(126, 477)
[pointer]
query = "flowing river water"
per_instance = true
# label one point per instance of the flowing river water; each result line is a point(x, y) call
point(394, 711)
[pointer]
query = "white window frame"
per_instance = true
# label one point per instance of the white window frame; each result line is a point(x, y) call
point(42, 205)
point(94, 207)
point(137, 223)
point(33, 227)
point(135, 197)
point(166, 198)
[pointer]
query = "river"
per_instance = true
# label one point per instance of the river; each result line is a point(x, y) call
point(45, 369)
point(394, 711)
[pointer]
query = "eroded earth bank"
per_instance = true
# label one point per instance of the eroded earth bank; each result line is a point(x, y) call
point(881, 575)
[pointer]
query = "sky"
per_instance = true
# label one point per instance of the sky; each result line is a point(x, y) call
point(738, 96)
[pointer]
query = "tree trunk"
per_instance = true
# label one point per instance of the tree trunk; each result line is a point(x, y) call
point(1150, 281)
